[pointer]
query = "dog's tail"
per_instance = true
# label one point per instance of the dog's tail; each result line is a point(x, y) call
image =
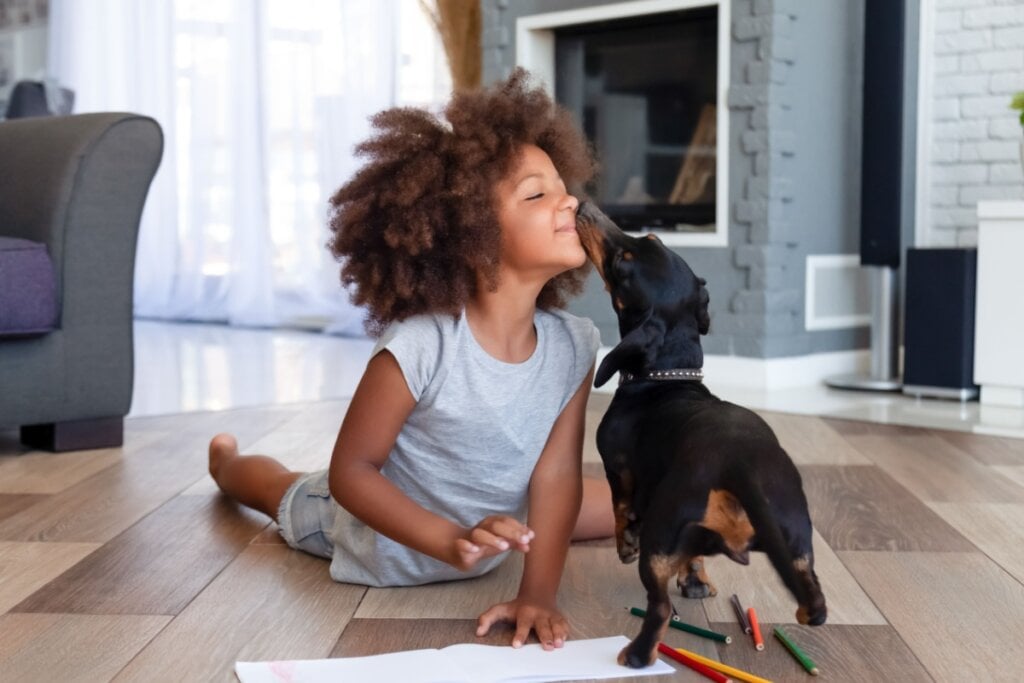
point(769, 535)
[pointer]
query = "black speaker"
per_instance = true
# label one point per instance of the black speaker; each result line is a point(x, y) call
point(882, 124)
point(938, 352)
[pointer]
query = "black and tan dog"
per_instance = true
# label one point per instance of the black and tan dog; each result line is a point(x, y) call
point(691, 475)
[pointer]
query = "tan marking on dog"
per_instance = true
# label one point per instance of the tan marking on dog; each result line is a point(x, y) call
point(590, 238)
point(627, 256)
point(725, 515)
point(617, 302)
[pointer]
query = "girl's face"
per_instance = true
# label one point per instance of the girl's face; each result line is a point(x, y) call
point(538, 218)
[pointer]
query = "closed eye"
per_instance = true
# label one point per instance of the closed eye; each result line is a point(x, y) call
point(536, 196)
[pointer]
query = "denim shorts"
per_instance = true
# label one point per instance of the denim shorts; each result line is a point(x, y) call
point(306, 515)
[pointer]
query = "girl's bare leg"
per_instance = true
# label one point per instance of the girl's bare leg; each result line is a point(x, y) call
point(596, 519)
point(257, 481)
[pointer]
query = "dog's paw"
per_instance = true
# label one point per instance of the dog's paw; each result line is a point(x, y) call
point(628, 555)
point(695, 590)
point(629, 545)
point(817, 618)
point(635, 658)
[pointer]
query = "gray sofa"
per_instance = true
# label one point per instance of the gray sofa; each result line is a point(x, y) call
point(72, 190)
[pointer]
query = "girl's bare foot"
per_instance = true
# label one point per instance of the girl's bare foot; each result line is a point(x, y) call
point(223, 447)
point(257, 481)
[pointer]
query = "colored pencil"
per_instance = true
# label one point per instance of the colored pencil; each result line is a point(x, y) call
point(797, 653)
point(676, 622)
point(693, 664)
point(755, 628)
point(741, 616)
point(738, 674)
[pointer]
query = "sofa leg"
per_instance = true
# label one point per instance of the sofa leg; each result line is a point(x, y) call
point(74, 435)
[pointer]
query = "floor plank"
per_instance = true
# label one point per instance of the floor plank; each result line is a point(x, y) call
point(363, 637)
point(862, 508)
point(271, 603)
point(45, 472)
point(810, 441)
point(71, 647)
point(928, 466)
point(157, 566)
point(990, 450)
point(842, 653)
point(12, 503)
point(465, 599)
point(1013, 473)
point(102, 506)
point(996, 528)
point(758, 585)
point(959, 612)
point(26, 567)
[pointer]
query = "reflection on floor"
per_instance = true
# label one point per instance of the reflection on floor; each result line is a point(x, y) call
point(189, 367)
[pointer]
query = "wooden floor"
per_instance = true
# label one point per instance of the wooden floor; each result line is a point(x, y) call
point(125, 564)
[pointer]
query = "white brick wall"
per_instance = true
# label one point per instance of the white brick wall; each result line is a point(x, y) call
point(976, 63)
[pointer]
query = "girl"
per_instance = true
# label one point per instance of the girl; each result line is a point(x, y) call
point(464, 438)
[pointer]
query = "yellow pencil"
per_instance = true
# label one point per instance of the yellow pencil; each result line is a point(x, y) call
point(718, 666)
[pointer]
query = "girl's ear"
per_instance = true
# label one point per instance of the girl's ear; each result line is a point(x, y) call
point(638, 348)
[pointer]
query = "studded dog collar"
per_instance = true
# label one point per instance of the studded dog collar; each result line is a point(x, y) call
point(677, 374)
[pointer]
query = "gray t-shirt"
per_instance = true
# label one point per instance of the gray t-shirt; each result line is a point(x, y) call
point(470, 445)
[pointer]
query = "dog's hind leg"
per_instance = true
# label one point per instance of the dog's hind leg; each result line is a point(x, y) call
point(655, 571)
point(693, 580)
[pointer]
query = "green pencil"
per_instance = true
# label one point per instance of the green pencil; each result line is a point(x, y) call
point(676, 622)
point(806, 661)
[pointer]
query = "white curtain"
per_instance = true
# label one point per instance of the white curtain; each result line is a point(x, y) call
point(261, 103)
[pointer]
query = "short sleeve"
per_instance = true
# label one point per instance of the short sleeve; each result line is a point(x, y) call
point(586, 341)
point(416, 345)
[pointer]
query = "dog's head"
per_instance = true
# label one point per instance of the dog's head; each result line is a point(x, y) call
point(662, 306)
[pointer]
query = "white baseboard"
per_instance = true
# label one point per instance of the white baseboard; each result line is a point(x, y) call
point(768, 373)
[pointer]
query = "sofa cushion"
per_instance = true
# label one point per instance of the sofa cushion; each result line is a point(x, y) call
point(28, 290)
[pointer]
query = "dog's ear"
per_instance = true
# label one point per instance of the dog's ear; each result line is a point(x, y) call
point(703, 318)
point(638, 348)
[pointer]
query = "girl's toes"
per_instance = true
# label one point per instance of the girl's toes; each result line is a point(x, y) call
point(222, 446)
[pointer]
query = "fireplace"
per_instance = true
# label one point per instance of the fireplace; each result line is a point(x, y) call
point(646, 82)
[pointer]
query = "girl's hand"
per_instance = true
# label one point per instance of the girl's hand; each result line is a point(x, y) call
point(491, 536)
point(551, 627)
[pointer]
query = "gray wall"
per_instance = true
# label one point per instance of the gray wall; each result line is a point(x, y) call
point(794, 173)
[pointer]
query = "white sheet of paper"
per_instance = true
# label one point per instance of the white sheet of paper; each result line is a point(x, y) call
point(464, 663)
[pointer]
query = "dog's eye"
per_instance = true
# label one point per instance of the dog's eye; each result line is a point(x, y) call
point(623, 264)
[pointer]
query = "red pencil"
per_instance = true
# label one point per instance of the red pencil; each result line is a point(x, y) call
point(692, 663)
point(756, 628)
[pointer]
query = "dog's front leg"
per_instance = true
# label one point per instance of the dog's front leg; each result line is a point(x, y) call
point(655, 571)
point(627, 522)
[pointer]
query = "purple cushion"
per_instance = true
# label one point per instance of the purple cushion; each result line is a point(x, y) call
point(28, 290)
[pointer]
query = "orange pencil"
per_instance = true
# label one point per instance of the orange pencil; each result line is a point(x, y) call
point(756, 628)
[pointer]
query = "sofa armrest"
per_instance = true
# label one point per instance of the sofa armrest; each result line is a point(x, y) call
point(78, 184)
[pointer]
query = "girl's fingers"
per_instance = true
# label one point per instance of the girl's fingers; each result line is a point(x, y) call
point(560, 630)
point(508, 528)
point(483, 537)
point(523, 627)
point(466, 547)
point(494, 614)
point(542, 625)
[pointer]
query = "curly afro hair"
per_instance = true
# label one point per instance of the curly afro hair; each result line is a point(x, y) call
point(416, 228)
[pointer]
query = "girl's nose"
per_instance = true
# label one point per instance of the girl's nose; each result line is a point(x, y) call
point(571, 203)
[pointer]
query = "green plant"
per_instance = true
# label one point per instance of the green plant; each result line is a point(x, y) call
point(1018, 103)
